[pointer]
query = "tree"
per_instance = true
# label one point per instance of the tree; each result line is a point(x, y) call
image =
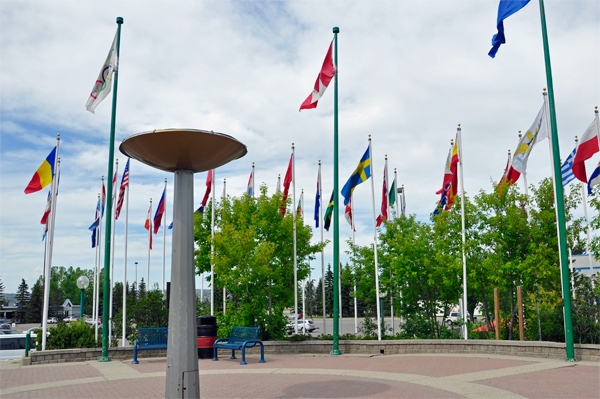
point(35, 307)
point(142, 290)
point(254, 260)
point(2, 298)
point(23, 300)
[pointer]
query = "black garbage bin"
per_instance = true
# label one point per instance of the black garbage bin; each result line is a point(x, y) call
point(206, 327)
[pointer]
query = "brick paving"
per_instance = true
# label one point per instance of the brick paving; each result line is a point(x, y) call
point(315, 376)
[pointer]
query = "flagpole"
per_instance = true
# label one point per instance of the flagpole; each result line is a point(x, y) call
point(212, 245)
point(303, 280)
point(111, 154)
point(50, 245)
point(322, 251)
point(112, 252)
point(396, 193)
point(389, 217)
point(375, 243)
point(125, 264)
point(294, 238)
point(164, 216)
point(253, 188)
point(525, 189)
point(96, 245)
point(336, 205)
point(559, 198)
point(99, 262)
point(149, 245)
point(462, 217)
point(222, 199)
point(353, 263)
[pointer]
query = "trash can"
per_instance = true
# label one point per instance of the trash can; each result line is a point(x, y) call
point(206, 328)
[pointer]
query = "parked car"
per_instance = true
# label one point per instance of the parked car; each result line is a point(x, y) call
point(453, 318)
point(69, 319)
point(4, 326)
point(7, 332)
point(52, 320)
point(309, 326)
point(89, 320)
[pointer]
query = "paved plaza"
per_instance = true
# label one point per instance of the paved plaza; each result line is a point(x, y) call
point(315, 376)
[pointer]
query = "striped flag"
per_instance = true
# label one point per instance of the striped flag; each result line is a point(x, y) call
point(329, 213)
point(124, 183)
point(325, 76)
point(567, 169)
point(44, 175)
point(160, 210)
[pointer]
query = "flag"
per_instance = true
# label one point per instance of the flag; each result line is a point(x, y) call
point(318, 199)
point(96, 224)
point(384, 201)
point(44, 220)
point(160, 210)
point(506, 8)
point(114, 186)
point(503, 179)
point(567, 169)
point(448, 175)
point(536, 133)
point(286, 185)
point(124, 184)
point(348, 214)
point(443, 202)
point(103, 84)
point(392, 193)
point(209, 179)
point(360, 174)
point(171, 226)
point(148, 225)
point(594, 179)
point(403, 198)
point(44, 175)
point(323, 80)
point(329, 213)
point(250, 189)
point(299, 209)
point(103, 196)
point(588, 146)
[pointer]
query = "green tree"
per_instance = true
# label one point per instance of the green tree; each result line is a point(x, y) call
point(35, 307)
point(2, 297)
point(142, 289)
point(23, 300)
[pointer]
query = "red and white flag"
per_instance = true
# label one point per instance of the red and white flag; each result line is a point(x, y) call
point(124, 183)
point(348, 214)
point(327, 73)
point(286, 185)
point(148, 224)
point(588, 146)
point(44, 221)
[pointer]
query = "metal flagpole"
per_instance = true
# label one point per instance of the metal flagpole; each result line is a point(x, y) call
point(294, 237)
point(125, 263)
point(396, 193)
point(164, 217)
point(50, 244)
point(389, 216)
point(304, 280)
point(107, 237)
point(322, 251)
point(95, 282)
point(112, 249)
point(341, 314)
point(526, 190)
point(336, 204)
point(559, 198)
point(224, 290)
point(253, 188)
point(375, 242)
point(149, 241)
point(353, 265)
point(278, 189)
point(212, 245)
point(97, 315)
point(462, 216)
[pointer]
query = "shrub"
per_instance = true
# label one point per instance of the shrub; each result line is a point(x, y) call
point(72, 335)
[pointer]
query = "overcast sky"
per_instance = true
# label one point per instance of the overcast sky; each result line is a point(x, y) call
point(409, 72)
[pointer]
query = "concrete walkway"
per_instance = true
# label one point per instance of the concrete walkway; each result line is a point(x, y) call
point(315, 376)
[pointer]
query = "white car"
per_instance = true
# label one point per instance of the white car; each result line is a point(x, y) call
point(89, 320)
point(309, 326)
point(69, 319)
point(52, 320)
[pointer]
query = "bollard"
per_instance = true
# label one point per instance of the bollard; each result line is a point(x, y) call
point(27, 338)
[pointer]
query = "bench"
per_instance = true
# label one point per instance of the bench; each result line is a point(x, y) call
point(240, 338)
point(150, 338)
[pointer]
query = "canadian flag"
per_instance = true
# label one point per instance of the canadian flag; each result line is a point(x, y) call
point(587, 147)
point(148, 224)
point(327, 73)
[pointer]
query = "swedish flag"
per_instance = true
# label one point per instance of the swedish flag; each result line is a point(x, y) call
point(329, 213)
point(361, 174)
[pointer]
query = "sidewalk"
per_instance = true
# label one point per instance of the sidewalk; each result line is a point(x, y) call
point(315, 376)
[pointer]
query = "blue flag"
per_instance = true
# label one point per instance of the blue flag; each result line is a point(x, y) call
point(170, 226)
point(360, 174)
point(567, 169)
point(506, 8)
point(594, 179)
point(318, 199)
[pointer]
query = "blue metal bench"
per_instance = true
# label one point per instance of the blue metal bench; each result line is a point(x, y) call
point(240, 338)
point(150, 338)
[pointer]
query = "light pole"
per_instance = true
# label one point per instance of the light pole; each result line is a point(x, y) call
point(82, 284)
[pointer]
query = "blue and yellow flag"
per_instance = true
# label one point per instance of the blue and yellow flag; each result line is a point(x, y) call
point(361, 174)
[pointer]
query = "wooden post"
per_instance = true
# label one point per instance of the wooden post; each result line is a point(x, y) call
point(497, 312)
point(520, 304)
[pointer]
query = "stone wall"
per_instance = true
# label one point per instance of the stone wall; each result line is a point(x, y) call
point(534, 349)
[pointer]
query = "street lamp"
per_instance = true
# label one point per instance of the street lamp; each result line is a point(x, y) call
point(82, 284)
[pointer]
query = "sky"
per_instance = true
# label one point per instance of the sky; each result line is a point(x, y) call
point(409, 73)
